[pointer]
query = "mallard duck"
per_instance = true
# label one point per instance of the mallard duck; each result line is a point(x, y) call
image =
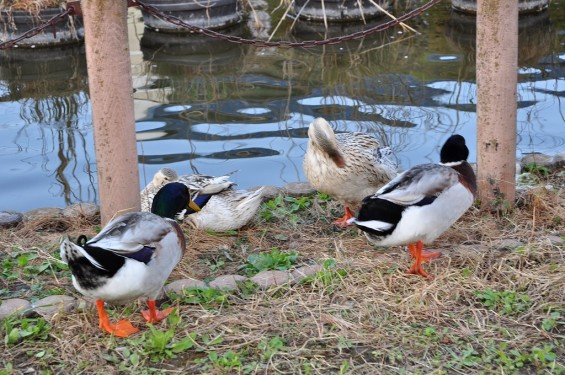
point(347, 166)
point(196, 183)
point(162, 177)
point(421, 203)
point(226, 210)
point(131, 257)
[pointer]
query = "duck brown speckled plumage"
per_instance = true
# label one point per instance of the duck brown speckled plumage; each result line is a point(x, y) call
point(347, 166)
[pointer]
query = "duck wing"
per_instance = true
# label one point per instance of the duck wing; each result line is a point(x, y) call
point(425, 181)
point(203, 184)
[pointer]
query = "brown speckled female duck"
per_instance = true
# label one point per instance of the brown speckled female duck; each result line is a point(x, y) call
point(347, 166)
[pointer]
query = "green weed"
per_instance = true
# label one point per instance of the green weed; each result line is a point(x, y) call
point(17, 330)
point(273, 260)
point(504, 302)
point(286, 208)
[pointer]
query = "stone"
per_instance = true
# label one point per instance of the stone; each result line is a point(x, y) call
point(178, 286)
point(50, 306)
point(269, 191)
point(507, 244)
point(9, 219)
point(555, 240)
point(228, 282)
point(541, 160)
point(42, 213)
point(266, 279)
point(88, 211)
point(298, 189)
point(14, 306)
point(306, 271)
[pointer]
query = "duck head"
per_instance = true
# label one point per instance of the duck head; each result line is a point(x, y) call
point(172, 199)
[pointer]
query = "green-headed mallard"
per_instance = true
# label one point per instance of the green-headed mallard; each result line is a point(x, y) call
point(162, 177)
point(212, 205)
point(226, 210)
point(131, 257)
point(347, 166)
point(421, 203)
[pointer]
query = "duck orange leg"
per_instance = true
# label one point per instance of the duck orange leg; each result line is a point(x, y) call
point(121, 329)
point(342, 222)
point(417, 252)
point(153, 315)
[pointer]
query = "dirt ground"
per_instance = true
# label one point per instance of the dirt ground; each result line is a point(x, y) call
point(496, 303)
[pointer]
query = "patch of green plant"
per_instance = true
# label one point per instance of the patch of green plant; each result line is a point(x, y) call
point(273, 260)
point(227, 363)
point(537, 170)
point(16, 330)
point(155, 345)
point(551, 321)
point(214, 265)
point(202, 296)
point(504, 302)
point(328, 278)
point(286, 208)
point(22, 266)
point(270, 347)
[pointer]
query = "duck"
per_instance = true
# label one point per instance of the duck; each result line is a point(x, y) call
point(420, 204)
point(162, 176)
point(220, 212)
point(131, 257)
point(347, 166)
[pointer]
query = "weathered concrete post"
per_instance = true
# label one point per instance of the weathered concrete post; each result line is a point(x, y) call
point(110, 82)
point(497, 65)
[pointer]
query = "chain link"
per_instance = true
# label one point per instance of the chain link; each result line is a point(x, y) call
point(70, 10)
point(73, 8)
point(284, 44)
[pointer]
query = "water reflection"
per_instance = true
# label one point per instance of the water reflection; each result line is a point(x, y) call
point(45, 131)
point(211, 106)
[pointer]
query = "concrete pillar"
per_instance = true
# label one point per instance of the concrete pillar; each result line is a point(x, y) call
point(110, 82)
point(497, 65)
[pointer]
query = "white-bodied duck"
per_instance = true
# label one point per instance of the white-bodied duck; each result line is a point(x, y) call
point(421, 203)
point(131, 257)
point(347, 166)
point(210, 203)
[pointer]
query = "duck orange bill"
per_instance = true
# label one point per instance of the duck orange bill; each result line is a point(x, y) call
point(193, 206)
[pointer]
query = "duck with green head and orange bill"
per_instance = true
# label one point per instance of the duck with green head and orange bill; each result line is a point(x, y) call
point(131, 257)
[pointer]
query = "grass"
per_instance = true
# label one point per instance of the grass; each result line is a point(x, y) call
point(496, 304)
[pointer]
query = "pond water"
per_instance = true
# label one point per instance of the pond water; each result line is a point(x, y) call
point(211, 106)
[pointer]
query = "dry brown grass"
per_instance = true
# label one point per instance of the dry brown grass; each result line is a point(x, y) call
point(369, 318)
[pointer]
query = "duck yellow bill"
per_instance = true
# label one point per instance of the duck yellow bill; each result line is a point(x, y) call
point(193, 206)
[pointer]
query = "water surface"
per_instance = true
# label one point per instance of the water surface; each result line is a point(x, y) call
point(210, 106)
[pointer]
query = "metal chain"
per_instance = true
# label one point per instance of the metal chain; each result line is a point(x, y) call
point(283, 44)
point(73, 8)
point(36, 30)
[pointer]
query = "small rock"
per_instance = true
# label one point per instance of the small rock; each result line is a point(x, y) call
point(298, 189)
point(42, 213)
point(48, 307)
point(558, 161)
point(269, 191)
point(507, 244)
point(179, 285)
point(305, 271)
point(14, 306)
point(88, 211)
point(541, 160)
point(9, 219)
point(228, 282)
point(555, 240)
point(266, 279)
